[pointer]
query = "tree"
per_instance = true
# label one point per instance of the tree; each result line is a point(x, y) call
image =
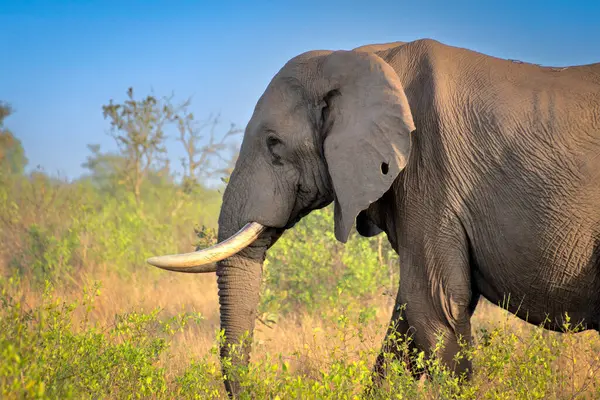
point(12, 155)
point(138, 128)
point(104, 168)
point(197, 165)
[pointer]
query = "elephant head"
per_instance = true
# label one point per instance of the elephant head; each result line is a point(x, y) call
point(330, 126)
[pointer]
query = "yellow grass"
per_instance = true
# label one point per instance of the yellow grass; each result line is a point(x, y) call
point(305, 341)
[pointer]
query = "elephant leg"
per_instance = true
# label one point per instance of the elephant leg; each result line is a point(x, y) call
point(392, 348)
point(435, 297)
point(453, 328)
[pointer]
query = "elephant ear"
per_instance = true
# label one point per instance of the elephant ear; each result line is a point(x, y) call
point(368, 130)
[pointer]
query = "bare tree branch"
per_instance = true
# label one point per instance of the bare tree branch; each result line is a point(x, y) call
point(138, 129)
point(198, 161)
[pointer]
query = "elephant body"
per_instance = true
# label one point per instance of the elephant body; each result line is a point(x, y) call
point(501, 197)
point(514, 185)
point(483, 173)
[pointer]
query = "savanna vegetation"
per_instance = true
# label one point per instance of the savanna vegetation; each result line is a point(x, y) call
point(83, 316)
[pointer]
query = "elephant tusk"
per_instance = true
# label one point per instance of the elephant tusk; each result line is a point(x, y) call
point(194, 269)
point(203, 261)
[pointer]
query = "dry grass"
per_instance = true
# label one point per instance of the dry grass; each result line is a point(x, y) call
point(306, 342)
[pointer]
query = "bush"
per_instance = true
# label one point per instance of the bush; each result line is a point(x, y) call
point(46, 352)
point(43, 354)
point(56, 230)
point(309, 270)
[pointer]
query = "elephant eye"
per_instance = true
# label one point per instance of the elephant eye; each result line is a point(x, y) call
point(272, 141)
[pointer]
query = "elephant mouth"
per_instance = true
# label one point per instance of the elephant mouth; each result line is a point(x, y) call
point(204, 261)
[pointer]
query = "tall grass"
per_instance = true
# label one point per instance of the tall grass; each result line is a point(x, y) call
point(120, 341)
point(83, 316)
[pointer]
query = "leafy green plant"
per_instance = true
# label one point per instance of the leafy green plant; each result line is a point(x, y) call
point(309, 270)
point(47, 353)
point(44, 355)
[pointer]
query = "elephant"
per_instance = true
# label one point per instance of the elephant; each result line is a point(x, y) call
point(484, 174)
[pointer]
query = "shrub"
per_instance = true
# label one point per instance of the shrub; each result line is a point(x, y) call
point(46, 352)
point(309, 270)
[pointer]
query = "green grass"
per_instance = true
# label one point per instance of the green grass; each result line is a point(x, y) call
point(54, 350)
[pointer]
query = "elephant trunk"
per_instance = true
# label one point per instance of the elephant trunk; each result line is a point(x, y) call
point(238, 279)
point(251, 220)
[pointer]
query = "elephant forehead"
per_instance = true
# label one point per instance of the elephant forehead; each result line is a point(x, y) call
point(284, 124)
point(280, 109)
point(285, 93)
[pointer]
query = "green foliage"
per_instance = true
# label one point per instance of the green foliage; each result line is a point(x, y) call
point(140, 130)
point(52, 229)
point(309, 269)
point(104, 170)
point(51, 256)
point(129, 208)
point(45, 353)
point(12, 155)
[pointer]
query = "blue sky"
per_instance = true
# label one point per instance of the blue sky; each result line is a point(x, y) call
point(62, 60)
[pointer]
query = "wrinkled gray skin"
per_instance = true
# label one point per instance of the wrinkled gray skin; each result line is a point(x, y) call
point(484, 173)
